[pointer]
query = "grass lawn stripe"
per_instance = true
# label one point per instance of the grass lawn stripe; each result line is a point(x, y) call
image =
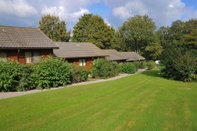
point(140, 102)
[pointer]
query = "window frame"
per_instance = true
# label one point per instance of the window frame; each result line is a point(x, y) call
point(82, 62)
point(35, 56)
point(3, 56)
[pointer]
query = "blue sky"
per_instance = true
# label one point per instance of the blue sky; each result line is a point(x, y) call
point(27, 13)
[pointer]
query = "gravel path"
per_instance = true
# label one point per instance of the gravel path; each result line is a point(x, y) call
point(4, 95)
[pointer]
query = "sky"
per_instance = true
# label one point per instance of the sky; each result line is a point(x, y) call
point(26, 13)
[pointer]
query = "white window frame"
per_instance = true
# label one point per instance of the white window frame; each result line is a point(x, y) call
point(82, 62)
point(28, 57)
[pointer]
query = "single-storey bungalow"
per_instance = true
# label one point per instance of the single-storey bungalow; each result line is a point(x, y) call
point(25, 45)
point(78, 53)
point(114, 55)
point(132, 56)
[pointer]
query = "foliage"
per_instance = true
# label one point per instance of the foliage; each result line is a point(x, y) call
point(129, 68)
point(138, 32)
point(151, 65)
point(103, 68)
point(137, 64)
point(142, 65)
point(179, 64)
point(54, 28)
point(26, 81)
point(9, 74)
point(120, 43)
point(182, 34)
point(153, 51)
point(92, 28)
point(14, 76)
point(78, 74)
point(51, 72)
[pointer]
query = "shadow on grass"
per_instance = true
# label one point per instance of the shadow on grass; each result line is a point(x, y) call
point(152, 73)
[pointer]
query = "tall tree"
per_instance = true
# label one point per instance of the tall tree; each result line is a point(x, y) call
point(179, 34)
point(164, 36)
point(191, 36)
point(54, 28)
point(120, 44)
point(138, 33)
point(92, 28)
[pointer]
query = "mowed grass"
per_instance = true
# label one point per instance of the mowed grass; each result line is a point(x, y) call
point(142, 102)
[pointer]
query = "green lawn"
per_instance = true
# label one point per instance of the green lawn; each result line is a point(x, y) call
point(142, 102)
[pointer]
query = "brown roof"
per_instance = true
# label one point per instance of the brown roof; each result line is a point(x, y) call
point(132, 56)
point(77, 50)
point(114, 55)
point(24, 38)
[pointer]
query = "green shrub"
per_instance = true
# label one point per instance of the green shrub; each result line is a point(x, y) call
point(142, 65)
point(102, 68)
point(116, 68)
point(51, 72)
point(151, 65)
point(26, 81)
point(9, 74)
point(137, 64)
point(78, 74)
point(179, 64)
point(128, 68)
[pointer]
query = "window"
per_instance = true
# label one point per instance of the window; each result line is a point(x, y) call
point(36, 57)
point(3, 56)
point(82, 62)
point(28, 59)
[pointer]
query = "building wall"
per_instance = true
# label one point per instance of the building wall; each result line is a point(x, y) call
point(89, 61)
point(19, 55)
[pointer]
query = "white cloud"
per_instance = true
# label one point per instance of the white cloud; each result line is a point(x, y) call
point(65, 14)
point(57, 11)
point(80, 13)
point(107, 22)
point(162, 12)
point(17, 7)
point(130, 9)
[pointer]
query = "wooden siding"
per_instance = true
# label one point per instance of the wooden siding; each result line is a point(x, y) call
point(19, 55)
point(89, 61)
point(12, 54)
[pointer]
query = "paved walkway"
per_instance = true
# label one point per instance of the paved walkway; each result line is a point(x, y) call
point(4, 95)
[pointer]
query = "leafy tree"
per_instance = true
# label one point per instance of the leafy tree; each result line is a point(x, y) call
point(54, 28)
point(191, 36)
point(120, 43)
point(179, 33)
point(164, 37)
point(92, 28)
point(138, 34)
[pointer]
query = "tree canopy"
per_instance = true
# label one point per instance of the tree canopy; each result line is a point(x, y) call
point(54, 28)
point(180, 33)
point(138, 35)
point(92, 28)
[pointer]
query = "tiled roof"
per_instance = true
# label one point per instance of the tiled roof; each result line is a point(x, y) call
point(24, 38)
point(132, 56)
point(77, 50)
point(114, 55)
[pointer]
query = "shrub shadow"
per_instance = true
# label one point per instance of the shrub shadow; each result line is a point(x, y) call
point(152, 73)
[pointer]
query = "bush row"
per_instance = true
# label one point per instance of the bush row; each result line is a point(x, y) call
point(54, 72)
point(47, 73)
point(103, 68)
